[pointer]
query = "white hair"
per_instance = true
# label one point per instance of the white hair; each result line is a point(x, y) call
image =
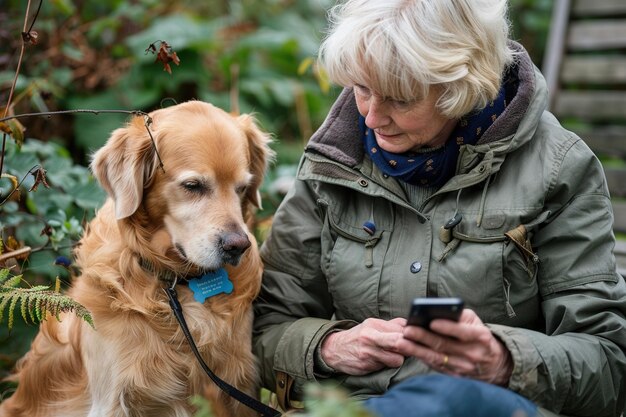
point(401, 48)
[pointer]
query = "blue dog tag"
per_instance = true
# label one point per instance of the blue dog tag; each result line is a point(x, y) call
point(210, 284)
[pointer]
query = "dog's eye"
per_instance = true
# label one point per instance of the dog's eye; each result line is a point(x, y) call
point(241, 189)
point(193, 185)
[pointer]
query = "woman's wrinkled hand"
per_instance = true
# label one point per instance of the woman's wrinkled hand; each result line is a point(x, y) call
point(467, 348)
point(370, 346)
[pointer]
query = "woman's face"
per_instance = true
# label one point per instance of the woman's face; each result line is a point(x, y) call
point(402, 126)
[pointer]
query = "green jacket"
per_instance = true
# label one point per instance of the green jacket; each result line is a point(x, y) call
point(533, 256)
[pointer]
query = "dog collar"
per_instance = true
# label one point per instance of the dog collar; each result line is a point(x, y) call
point(203, 286)
point(170, 278)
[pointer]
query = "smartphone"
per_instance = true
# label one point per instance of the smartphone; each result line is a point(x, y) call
point(424, 310)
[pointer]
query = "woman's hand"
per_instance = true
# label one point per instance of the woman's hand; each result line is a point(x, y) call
point(467, 348)
point(370, 346)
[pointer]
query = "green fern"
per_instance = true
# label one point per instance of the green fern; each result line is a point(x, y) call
point(36, 302)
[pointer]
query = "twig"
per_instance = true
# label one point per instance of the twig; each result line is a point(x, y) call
point(17, 73)
point(146, 116)
point(14, 254)
point(30, 171)
point(34, 17)
point(52, 113)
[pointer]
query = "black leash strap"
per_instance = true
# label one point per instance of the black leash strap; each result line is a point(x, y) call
point(242, 397)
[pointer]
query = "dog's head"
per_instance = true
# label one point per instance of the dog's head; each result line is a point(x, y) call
point(195, 205)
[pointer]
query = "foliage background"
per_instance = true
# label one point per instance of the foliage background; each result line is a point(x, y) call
point(246, 55)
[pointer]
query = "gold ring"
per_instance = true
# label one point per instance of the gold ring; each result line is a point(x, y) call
point(445, 361)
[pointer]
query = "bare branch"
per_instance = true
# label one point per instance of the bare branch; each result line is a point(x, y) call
point(25, 39)
point(52, 113)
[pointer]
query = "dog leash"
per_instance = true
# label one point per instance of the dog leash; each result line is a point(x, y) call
point(238, 395)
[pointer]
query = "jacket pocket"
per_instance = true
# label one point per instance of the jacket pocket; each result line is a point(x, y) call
point(520, 267)
point(494, 273)
point(352, 257)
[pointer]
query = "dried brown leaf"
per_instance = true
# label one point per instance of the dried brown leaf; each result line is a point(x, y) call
point(40, 178)
point(165, 55)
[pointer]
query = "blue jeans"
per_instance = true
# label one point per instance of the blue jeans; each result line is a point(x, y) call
point(448, 396)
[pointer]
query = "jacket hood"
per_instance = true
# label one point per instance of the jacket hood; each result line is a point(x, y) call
point(338, 137)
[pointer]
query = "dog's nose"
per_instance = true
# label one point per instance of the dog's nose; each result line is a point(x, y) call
point(234, 245)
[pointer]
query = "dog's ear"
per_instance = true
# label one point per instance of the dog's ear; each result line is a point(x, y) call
point(260, 156)
point(125, 165)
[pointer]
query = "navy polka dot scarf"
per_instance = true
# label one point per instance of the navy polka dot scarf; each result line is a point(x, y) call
point(432, 168)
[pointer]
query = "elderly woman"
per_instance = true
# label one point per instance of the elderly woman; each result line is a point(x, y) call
point(438, 172)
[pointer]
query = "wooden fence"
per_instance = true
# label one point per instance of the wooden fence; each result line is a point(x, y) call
point(585, 68)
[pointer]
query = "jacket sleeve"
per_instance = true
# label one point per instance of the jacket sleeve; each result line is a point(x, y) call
point(578, 366)
point(294, 309)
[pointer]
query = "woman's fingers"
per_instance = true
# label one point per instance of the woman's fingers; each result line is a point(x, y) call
point(466, 348)
point(367, 347)
point(442, 359)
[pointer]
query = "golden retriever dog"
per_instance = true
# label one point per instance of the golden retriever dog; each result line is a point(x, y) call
point(177, 208)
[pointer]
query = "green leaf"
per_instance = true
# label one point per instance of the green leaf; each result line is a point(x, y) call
point(203, 406)
point(24, 310)
point(304, 29)
point(3, 302)
point(62, 77)
point(42, 301)
point(282, 91)
point(14, 301)
point(47, 201)
point(88, 196)
point(18, 163)
point(17, 131)
point(178, 30)
point(4, 272)
point(324, 400)
point(31, 309)
point(37, 288)
point(92, 130)
point(258, 89)
point(10, 207)
point(38, 310)
point(12, 282)
point(265, 39)
point(42, 263)
point(64, 6)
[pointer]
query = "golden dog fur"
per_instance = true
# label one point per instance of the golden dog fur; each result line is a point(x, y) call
point(189, 216)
